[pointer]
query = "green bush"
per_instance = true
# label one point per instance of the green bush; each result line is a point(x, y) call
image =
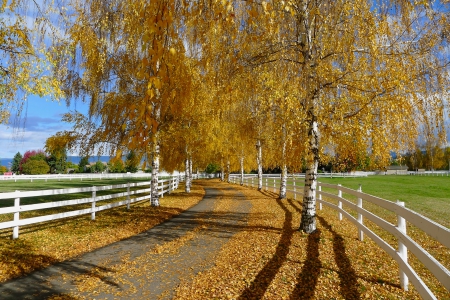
point(35, 167)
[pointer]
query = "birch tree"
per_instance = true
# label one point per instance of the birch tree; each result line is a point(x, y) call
point(128, 71)
point(361, 68)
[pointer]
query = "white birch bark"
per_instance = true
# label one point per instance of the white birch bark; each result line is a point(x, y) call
point(283, 182)
point(190, 172)
point(222, 171)
point(259, 162)
point(228, 171)
point(187, 183)
point(308, 219)
point(154, 196)
point(283, 166)
point(241, 161)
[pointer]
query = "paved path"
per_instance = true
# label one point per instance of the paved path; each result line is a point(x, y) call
point(149, 265)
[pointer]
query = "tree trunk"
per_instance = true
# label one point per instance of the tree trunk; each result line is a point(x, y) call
point(241, 160)
point(154, 196)
point(228, 171)
point(259, 162)
point(187, 183)
point(190, 172)
point(222, 171)
point(283, 182)
point(284, 167)
point(308, 220)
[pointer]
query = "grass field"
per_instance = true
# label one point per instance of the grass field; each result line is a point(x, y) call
point(427, 195)
point(11, 186)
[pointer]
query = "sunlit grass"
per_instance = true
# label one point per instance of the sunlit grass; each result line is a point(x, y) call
point(20, 185)
point(426, 195)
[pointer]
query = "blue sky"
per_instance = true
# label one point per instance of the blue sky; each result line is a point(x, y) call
point(41, 118)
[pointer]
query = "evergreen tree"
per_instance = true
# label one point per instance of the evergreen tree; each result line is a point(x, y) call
point(131, 164)
point(82, 165)
point(58, 161)
point(15, 166)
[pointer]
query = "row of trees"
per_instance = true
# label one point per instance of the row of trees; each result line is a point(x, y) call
point(246, 84)
point(433, 158)
point(35, 162)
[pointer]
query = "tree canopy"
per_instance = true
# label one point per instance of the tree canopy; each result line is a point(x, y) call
point(29, 55)
point(292, 84)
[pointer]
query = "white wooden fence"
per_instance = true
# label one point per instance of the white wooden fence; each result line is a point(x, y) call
point(164, 186)
point(405, 242)
point(76, 176)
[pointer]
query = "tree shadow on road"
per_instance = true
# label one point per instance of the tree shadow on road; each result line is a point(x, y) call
point(347, 275)
point(307, 280)
point(259, 285)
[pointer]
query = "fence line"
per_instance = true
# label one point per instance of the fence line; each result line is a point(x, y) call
point(77, 176)
point(164, 186)
point(405, 242)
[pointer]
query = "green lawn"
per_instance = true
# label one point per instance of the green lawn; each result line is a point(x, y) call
point(427, 195)
point(26, 185)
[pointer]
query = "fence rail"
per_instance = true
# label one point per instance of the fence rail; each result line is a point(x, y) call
point(78, 176)
point(405, 242)
point(164, 186)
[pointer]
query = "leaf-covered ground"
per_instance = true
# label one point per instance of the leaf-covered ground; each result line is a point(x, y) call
point(266, 258)
point(271, 259)
point(52, 242)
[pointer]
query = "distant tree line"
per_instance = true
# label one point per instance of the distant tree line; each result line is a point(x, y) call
point(35, 162)
point(428, 157)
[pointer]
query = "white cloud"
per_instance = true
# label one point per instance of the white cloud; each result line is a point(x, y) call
point(30, 134)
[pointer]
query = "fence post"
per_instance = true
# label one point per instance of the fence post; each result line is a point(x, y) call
point(360, 216)
point(128, 195)
point(340, 202)
point(16, 216)
point(295, 189)
point(94, 194)
point(162, 189)
point(402, 250)
point(320, 196)
point(267, 185)
point(274, 186)
point(252, 181)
